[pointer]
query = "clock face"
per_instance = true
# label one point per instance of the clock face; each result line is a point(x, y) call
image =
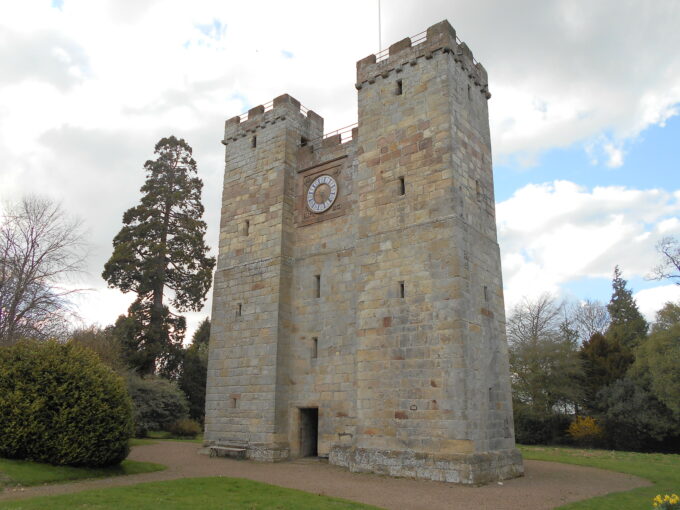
point(321, 193)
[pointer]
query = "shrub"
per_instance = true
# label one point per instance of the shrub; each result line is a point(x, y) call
point(185, 427)
point(157, 403)
point(585, 431)
point(535, 428)
point(634, 419)
point(60, 404)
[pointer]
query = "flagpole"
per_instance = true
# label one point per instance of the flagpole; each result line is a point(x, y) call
point(379, 29)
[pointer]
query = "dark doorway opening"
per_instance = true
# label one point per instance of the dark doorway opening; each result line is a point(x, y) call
point(309, 431)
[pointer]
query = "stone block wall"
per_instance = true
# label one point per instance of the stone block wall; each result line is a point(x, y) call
point(384, 312)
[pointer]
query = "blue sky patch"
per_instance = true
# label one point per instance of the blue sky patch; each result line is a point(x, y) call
point(214, 30)
point(649, 162)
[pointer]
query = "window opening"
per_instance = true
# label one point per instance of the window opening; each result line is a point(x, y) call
point(253, 142)
point(303, 141)
point(317, 286)
point(469, 92)
point(315, 347)
point(402, 292)
point(233, 403)
point(246, 228)
point(486, 293)
point(402, 186)
point(400, 87)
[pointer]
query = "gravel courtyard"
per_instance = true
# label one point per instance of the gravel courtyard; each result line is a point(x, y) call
point(545, 484)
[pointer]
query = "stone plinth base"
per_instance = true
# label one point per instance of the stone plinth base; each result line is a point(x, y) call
point(267, 452)
point(469, 469)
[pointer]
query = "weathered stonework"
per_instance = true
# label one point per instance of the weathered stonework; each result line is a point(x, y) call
point(381, 317)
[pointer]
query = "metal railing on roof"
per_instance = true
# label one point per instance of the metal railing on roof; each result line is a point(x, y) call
point(415, 40)
point(344, 132)
point(269, 106)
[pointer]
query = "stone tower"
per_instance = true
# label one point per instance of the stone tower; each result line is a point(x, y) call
point(358, 308)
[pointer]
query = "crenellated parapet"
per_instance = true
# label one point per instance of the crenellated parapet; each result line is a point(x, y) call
point(281, 108)
point(407, 52)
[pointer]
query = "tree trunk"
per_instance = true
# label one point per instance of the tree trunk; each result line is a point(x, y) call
point(156, 319)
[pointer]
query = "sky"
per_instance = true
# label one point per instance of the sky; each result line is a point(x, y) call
point(584, 116)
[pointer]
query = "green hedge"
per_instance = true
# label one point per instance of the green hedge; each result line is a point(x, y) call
point(534, 428)
point(61, 405)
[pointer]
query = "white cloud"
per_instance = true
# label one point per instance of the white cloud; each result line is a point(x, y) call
point(670, 225)
point(88, 88)
point(555, 233)
point(614, 153)
point(650, 301)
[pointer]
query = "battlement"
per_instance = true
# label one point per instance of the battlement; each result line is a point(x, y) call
point(438, 38)
point(258, 117)
point(338, 137)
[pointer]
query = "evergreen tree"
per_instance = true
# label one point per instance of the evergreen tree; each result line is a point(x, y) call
point(161, 246)
point(627, 326)
point(604, 362)
point(147, 354)
point(634, 419)
point(194, 373)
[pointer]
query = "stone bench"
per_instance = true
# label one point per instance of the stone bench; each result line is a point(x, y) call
point(227, 451)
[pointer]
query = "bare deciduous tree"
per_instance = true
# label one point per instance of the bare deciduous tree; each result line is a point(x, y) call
point(669, 267)
point(544, 363)
point(589, 317)
point(532, 320)
point(40, 249)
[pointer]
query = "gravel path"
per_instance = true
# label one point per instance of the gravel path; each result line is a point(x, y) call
point(545, 484)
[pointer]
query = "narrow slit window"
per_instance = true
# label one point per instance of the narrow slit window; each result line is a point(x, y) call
point(402, 290)
point(486, 293)
point(246, 228)
point(469, 92)
point(478, 189)
point(233, 403)
point(402, 186)
point(400, 88)
point(317, 286)
point(315, 347)
point(303, 141)
point(253, 142)
point(239, 310)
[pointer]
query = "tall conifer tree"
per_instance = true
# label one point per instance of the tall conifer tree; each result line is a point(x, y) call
point(628, 327)
point(161, 248)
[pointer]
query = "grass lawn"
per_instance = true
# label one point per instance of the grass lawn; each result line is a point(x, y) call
point(189, 493)
point(25, 473)
point(154, 436)
point(661, 469)
point(136, 441)
point(167, 436)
